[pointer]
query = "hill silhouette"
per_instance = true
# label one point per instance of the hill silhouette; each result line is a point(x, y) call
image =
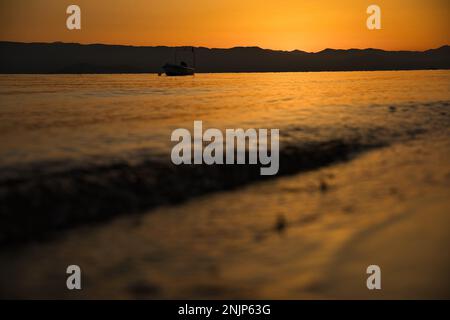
point(59, 57)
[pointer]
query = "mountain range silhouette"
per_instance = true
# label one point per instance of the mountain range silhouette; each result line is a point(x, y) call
point(74, 58)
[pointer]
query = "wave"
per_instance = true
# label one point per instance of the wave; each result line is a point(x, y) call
point(37, 200)
point(36, 204)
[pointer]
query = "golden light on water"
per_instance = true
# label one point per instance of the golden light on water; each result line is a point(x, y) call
point(87, 175)
point(287, 25)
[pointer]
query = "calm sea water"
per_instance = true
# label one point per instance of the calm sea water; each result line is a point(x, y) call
point(64, 118)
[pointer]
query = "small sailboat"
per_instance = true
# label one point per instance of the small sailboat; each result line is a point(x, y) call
point(181, 69)
point(178, 70)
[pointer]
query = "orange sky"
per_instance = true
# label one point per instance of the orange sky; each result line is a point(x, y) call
point(309, 25)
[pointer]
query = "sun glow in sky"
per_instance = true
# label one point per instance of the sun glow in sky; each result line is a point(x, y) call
point(309, 25)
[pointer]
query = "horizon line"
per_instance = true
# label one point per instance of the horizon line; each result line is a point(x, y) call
point(217, 48)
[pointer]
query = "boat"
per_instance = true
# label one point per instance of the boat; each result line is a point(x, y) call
point(181, 69)
point(178, 69)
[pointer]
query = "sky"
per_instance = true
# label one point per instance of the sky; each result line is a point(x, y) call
point(308, 25)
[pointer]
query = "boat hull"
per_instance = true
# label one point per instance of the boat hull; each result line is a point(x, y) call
point(173, 70)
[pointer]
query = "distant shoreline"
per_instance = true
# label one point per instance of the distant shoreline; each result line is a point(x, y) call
point(73, 58)
point(224, 72)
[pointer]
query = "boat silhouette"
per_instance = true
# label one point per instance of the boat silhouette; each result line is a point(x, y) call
point(178, 69)
point(181, 69)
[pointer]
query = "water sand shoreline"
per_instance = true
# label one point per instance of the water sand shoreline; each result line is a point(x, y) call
point(296, 261)
point(41, 199)
point(364, 163)
point(81, 196)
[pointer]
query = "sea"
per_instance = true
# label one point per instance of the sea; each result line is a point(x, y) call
point(82, 148)
point(86, 178)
